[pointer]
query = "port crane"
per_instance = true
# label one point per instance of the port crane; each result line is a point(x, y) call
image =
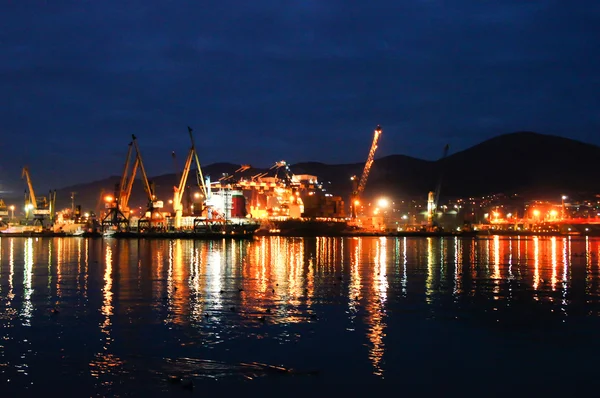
point(118, 206)
point(434, 196)
point(153, 217)
point(179, 190)
point(41, 207)
point(359, 185)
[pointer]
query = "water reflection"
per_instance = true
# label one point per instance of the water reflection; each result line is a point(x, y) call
point(376, 307)
point(105, 364)
point(27, 307)
point(271, 298)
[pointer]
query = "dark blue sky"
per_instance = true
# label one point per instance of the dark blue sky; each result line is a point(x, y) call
point(297, 80)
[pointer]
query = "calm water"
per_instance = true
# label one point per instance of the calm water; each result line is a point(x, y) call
point(119, 317)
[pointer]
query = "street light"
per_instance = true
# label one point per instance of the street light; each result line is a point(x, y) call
point(383, 202)
point(562, 209)
point(12, 211)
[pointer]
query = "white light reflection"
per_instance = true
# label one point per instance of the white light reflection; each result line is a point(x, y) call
point(496, 275)
point(105, 363)
point(457, 288)
point(404, 264)
point(86, 267)
point(59, 265)
point(376, 311)
point(442, 261)
point(510, 263)
point(194, 285)
point(429, 280)
point(11, 271)
point(381, 264)
point(554, 258)
point(214, 275)
point(566, 247)
point(79, 265)
point(588, 266)
point(536, 263)
point(27, 309)
point(355, 280)
point(107, 308)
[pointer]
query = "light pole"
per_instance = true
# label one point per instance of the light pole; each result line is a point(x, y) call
point(12, 211)
point(562, 209)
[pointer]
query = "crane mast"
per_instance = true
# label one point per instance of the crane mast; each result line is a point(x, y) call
point(199, 176)
point(434, 196)
point(146, 182)
point(359, 188)
point(179, 190)
point(32, 198)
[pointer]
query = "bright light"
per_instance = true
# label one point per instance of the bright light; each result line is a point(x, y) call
point(170, 201)
point(197, 195)
point(405, 217)
point(536, 212)
point(553, 213)
point(383, 202)
point(29, 206)
point(86, 215)
point(108, 198)
point(564, 197)
point(12, 207)
point(496, 214)
point(356, 203)
point(509, 215)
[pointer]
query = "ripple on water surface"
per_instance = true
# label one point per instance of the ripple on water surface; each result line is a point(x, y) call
point(125, 317)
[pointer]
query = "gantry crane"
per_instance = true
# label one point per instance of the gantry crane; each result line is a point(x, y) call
point(359, 185)
point(41, 207)
point(434, 196)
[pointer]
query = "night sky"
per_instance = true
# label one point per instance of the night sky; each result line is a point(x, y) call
point(261, 81)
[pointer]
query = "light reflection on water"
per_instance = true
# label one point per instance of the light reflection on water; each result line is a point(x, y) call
point(124, 309)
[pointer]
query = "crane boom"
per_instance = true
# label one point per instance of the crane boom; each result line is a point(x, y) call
point(123, 184)
point(126, 194)
point(32, 198)
point(369, 162)
point(199, 176)
point(359, 187)
point(146, 182)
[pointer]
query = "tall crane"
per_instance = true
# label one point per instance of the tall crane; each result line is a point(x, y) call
point(118, 206)
point(155, 217)
point(199, 176)
point(42, 207)
point(31, 200)
point(178, 191)
point(359, 185)
point(434, 197)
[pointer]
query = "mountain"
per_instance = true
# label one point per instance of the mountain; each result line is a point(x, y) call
point(523, 162)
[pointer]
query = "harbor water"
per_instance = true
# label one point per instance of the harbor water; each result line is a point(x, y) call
point(472, 316)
